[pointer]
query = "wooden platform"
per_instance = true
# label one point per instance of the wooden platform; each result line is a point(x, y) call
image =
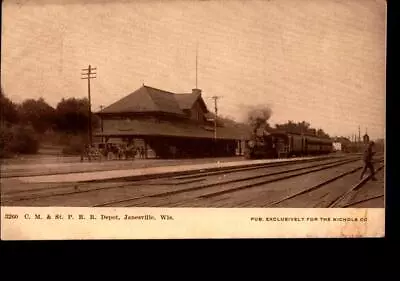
point(150, 170)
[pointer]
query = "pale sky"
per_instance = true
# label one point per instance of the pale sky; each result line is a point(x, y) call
point(322, 61)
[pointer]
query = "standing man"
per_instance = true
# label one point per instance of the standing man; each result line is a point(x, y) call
point(367, 158)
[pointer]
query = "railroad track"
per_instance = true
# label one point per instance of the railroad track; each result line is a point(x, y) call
point(254, 167)
point(228, 186)
point(353, 204)
point(325, 184)
point(79, 188)
point(351, 192)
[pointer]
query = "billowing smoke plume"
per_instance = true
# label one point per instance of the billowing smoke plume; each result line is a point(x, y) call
point(258, 116)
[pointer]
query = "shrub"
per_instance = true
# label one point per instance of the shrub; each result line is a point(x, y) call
point(74, 146)
point(72, 149)
point(6, 139)
point(18, 140)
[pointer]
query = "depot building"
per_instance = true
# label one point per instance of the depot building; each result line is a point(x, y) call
point(169, 125)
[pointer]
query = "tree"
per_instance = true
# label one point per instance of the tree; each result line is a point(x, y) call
point(72, 116)
point(321, 133)
point(18, 139)
point(8, 110)
point(293, 127)
point(222, 121)
point(301, 128)
point(38, 114)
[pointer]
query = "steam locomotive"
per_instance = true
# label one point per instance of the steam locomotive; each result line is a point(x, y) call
point(284, 144)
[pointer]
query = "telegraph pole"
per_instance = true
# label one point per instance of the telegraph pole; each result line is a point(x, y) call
point(101, 122)
point(215, 98)
point(88, 74)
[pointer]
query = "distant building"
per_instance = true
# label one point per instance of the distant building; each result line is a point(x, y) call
point(341, 144)
point(337, 146)
point(171, 125)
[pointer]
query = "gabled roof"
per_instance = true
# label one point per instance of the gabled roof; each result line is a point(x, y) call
point(186, 101)
point(164, 100)
point(146, 99)
point(149, 99)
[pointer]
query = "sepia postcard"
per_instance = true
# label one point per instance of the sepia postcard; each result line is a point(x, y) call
point(192, 119)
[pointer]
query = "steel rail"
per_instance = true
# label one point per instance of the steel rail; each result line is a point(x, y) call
point(363, 200)
point(357, 186)
point(274, 180)
point(315, 187)
point(77, 191)
point(195, 188)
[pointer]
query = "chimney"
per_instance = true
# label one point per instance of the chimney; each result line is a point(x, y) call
point(196, 91)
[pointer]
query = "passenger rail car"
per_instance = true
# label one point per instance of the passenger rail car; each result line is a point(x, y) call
point(278, 145)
